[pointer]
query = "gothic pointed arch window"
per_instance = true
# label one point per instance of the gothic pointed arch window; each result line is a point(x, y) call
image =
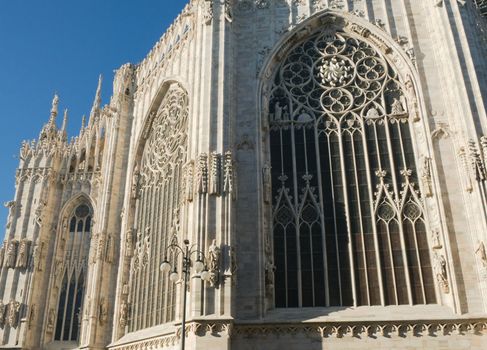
point(73, 272)
point(348, 222)
point(157, 187)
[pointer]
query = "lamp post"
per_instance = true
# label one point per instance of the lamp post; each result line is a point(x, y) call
point(199, 267)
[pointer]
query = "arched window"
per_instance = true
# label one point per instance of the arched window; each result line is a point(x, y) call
point(157, 185)
point(348, 222)
point(73, 284)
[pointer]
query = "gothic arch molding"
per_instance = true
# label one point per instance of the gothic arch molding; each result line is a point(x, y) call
point(333, 73)
point(154, 210)
point(69, 269)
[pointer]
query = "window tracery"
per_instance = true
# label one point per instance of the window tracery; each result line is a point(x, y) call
point(158, 190)
point(73, 269)
point(348, 220)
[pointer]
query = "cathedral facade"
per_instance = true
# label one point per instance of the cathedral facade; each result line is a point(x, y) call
point(324, 162)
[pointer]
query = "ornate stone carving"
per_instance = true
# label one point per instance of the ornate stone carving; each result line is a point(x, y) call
point(11, 206)
point(208, 11)
point(32, 315)
point(412, 99)
point(229, 175)
point(135, 182)
point(214, 253)
point(51, 318)
point(245, 144)
point(102, 311)
point(22, 256)
point(138, 253)
point(476, 162)
point(124, 311)
point(439, 268)
point(270, 268)
point(13, 313)
point(3, 308)
point(11, 255)
point(215, 174)
point(435, 240)
point(202, 180)
point(481, 254)
point(426, 178)
point(462, 155)
point(267, 182)
point(39, 213)
point(2, 254)
point(129, 237)
point(189, 181)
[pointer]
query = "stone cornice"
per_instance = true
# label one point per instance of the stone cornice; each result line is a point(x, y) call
point(359, 329)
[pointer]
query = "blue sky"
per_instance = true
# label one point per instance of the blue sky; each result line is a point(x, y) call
point(62, 46)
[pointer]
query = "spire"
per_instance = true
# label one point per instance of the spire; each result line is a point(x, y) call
point(49, 130)
point(54, 108)
point(65, 121)
point(97, 102)
point(64, 133)
point(83, 123)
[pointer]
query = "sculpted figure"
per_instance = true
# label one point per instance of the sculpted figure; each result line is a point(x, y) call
point(11, 254)
point(13, 313)
point(51, 317)
point(123, 313)
point(2, 254)
point(440, 272)
point(481, 253)
point(266, 178)
point(214, 262)
point(103, 312)
point(23, 254)
point(135, 182)
point(2, 313)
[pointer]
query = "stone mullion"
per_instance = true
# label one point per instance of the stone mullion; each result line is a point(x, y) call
point(372, 212)
point(394, 170)
point(359, 205)
point(347, 213)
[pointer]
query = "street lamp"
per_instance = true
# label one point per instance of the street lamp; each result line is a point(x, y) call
point(199, 267)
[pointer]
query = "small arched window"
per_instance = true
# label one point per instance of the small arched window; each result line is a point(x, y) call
point(72, 289)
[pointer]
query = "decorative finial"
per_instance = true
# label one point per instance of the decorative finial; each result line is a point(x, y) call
point(54, 108)
point(97, 101)
point(83, 123)
point(65, 120)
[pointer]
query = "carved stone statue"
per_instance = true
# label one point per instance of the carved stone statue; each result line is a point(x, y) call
point(439, 267)
point(435, 240)
point(51, 318)
point(2, 313)
point(481, 254)
point(202, 185)
point(267, 182)
point(123, 313)
point(138, 252)
point(135, 182)
point(189, 181)
point(129, 249)
point(11, 212)
point(103, 311)
point(214, 253)
point(11, 254)
point(397, 108)
point(13, 313)
point(215, 174)
point(2, 253)
point(270, 268)
point(39, 212)
point(23, 253)
point(228, 174)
